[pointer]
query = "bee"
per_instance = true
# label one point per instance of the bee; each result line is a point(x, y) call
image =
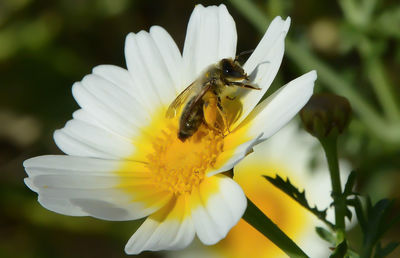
point(202, 98)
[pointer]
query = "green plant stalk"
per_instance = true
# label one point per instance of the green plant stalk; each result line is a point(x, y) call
point(306, 61)
point(256, 218)
point(366, 251)
point(252, 14)
point(330, 147)
point(376, 73)
point(382, 88)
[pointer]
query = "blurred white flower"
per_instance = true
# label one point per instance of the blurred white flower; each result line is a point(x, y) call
point(288, 154)
point(124, 160)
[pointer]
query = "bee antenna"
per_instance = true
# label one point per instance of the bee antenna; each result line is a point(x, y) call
point(244, 53)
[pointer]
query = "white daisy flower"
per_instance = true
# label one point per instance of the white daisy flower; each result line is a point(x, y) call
point(124, 159)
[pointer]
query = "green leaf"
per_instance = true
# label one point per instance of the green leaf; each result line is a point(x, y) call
point(340, 250)
point(352, 254)
point(378, 219)
point(256, 218)
point(375, 222)
point(351, 180)
point(348, 191)
point(382, 212)
point(387, 23)
point(326, 235)
point(348, 213)
point(356, 203)
point(383, 252)
point(298, 196)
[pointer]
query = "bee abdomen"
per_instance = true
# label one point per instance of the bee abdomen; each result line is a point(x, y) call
point(190, 120)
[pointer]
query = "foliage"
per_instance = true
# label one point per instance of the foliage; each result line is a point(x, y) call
point(375, 221)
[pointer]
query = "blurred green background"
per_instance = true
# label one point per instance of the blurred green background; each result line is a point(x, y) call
point(47, 45)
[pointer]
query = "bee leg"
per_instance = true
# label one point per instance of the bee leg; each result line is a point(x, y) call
point(243, 85)
point(231, 98)
point(210, 113)
point(222, 114)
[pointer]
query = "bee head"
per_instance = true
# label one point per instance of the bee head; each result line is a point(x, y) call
point(232, 70)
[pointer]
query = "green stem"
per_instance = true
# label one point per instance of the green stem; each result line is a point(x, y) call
point(366, 251)
point(382, 87)
point(252, 14)
point(330, 147)
point(269, 229)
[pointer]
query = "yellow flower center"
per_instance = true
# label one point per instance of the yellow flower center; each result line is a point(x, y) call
point(166, 163)
point(179, 166)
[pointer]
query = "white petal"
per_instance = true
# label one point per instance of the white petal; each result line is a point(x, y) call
point(28, 182)
point(229, 158)
point(70, 163)
point(211, 36)
point(169, 229)
point(61, 205)
point(170, 54)
point(214, 214)
point(264, 63)
point(279, 108)
point(138, 241)
point(227, 206)
point(121, 78)
point(148, 66)
point(276, 29)
point(206, 229)
point(82, 181)
point(110, 210)
point(82, 139)
point(109, 105)
point(90, 187)
point(78, 164)
point(84, 116)
point(234, 198)
point(183, 236)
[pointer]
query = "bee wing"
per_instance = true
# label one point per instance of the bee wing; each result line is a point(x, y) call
point(196, 99)
point(192, 89)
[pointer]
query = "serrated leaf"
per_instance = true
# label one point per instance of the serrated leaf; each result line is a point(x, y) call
point(356, 203)
point(377, 217)
point(351, 180)
point(375, 222)
point(326, 235)
point(348, 213)
point(383, 252)
point(383, 209)
point(299, 196)
point(352, 254)
point(340, 250)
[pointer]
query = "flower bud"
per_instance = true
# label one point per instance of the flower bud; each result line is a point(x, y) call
point(326, 115)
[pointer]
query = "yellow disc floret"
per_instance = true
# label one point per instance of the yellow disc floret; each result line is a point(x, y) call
point(173, 165)
point(179, 166)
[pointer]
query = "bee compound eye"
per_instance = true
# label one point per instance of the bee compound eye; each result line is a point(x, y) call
point(232, 70)
point(227, 67)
